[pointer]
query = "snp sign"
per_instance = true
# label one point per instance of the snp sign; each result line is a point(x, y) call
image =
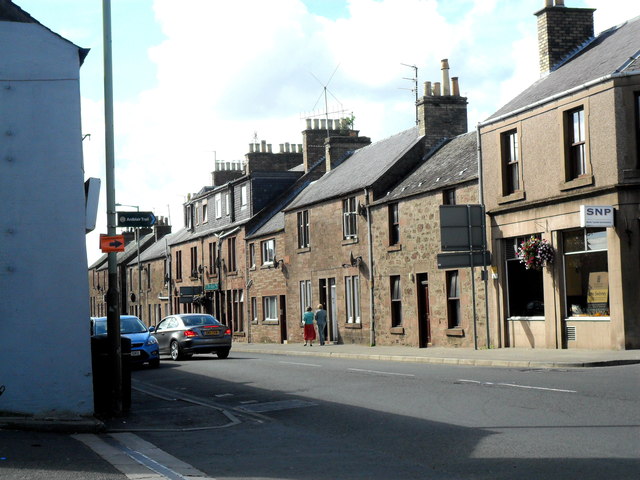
point(596, 215)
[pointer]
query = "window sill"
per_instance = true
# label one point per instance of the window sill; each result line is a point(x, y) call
point(353, 325)
point(512, 197)
point(586, 318)
point(212, 275)
point(394, 248)
point(232, 274)
point(303, 250)
point(397, 331)
point(582, 181)
point(455, 332)
point(349, 241)
point(270, 322)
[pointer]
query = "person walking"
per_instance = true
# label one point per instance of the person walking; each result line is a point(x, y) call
point(309, 328)
point(321, 321)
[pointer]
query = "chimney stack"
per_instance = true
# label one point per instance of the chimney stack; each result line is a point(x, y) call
point(442, 114)
point(561, 31)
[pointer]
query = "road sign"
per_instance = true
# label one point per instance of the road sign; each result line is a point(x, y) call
point(136, 219)
point(461, 227)
point(463, 259)
point(112, 243)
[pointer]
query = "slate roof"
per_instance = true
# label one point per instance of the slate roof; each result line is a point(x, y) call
point(360, 170)
point(10, 12)
point(455, 162)
point(613, 52)
point(156, 251)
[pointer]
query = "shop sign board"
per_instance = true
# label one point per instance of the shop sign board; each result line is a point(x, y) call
point(596, 216)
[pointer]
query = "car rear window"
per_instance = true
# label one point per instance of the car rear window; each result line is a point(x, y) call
point(198, 320)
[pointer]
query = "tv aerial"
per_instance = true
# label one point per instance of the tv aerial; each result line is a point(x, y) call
point(339, 108)
point(414, 79)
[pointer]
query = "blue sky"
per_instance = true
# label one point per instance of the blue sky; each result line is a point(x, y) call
point(196, 80)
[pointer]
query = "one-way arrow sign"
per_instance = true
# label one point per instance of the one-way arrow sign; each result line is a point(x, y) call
point(136, 219)
point(112, 243)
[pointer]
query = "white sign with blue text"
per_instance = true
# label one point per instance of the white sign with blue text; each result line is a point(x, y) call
point(596, 215)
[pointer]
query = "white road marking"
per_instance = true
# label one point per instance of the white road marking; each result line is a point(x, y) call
point(529, 387)
point(381, 373)
point(222, 395)
point(302, 364)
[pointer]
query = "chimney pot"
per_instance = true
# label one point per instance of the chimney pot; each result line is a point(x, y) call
point(286, 147)
point(316, 124)
point(308, 124)
point(250, 149)
point(427, 89)
point(330, 124)
point(264, 146)
point(455, 86)
point(436, 89)
point(269, 148)
point(446, 91)
point(282, 148)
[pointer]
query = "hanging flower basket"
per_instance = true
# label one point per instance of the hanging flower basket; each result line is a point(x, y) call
point(535, 253)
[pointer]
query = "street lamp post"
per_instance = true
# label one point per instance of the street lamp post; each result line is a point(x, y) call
point(138, 254)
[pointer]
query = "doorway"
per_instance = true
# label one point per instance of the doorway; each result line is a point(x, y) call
point(424, 321)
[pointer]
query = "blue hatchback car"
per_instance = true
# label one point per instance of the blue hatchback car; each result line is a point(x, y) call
point(144, 346)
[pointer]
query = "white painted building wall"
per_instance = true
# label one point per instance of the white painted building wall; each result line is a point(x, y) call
point(45, 357)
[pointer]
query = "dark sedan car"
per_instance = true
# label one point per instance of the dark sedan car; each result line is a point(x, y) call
point(182, 335)
point(144, 347)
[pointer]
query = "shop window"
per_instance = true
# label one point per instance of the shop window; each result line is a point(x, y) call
point(396, 301)
point(586, 272)
point(522, 302)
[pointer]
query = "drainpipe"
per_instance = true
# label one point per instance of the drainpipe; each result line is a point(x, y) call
point(485, 273)
point(372, 332)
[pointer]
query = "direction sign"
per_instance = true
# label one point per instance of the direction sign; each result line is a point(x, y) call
point(136, 219)
point(112, 243)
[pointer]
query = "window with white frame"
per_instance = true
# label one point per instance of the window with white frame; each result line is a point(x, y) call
point(303, 229)
point(252, 255)
point(205, 217)
point(305, 296)
point(270, 308)
point(396, 301)
point(576, 152)
point(510, 162)
point(352, 298)
point(268, 248)
point(244, 197)
point(218, 204)
point(350, 218)
point(254, 310)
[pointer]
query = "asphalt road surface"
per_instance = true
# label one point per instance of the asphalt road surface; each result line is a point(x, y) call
point(326, 418)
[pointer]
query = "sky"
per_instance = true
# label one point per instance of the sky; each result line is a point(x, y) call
point(197, 81)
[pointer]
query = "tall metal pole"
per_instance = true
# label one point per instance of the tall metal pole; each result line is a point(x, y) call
point(113, 310)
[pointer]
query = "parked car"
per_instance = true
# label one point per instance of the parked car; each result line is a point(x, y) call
point(182, 335)
point(144, 346)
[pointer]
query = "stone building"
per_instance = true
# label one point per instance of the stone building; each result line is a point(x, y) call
point(329, 231)
point(209, 261)
point(561, 167)
point(417, 304)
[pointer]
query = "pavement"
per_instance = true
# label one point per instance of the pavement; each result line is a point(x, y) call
point(94, 449)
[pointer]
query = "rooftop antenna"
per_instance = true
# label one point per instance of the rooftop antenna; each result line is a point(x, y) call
point(324, 93)
point(415, 85)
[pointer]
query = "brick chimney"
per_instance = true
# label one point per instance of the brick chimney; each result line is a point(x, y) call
point(337, 147)
point(561, 30)
point(442, 112)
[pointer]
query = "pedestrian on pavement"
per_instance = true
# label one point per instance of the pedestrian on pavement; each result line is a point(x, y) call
point(321, 321)
point(309, 328)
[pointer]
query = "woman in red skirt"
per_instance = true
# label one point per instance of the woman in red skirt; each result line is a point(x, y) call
point(309, 328)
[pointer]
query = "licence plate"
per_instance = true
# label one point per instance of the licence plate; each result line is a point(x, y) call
point(211, 332)
point(135, 353)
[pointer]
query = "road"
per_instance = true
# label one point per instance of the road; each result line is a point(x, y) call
point(327, 418)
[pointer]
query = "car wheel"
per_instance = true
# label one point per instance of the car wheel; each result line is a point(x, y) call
point(223, 353)
point(175, 352)
point(154, 363)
